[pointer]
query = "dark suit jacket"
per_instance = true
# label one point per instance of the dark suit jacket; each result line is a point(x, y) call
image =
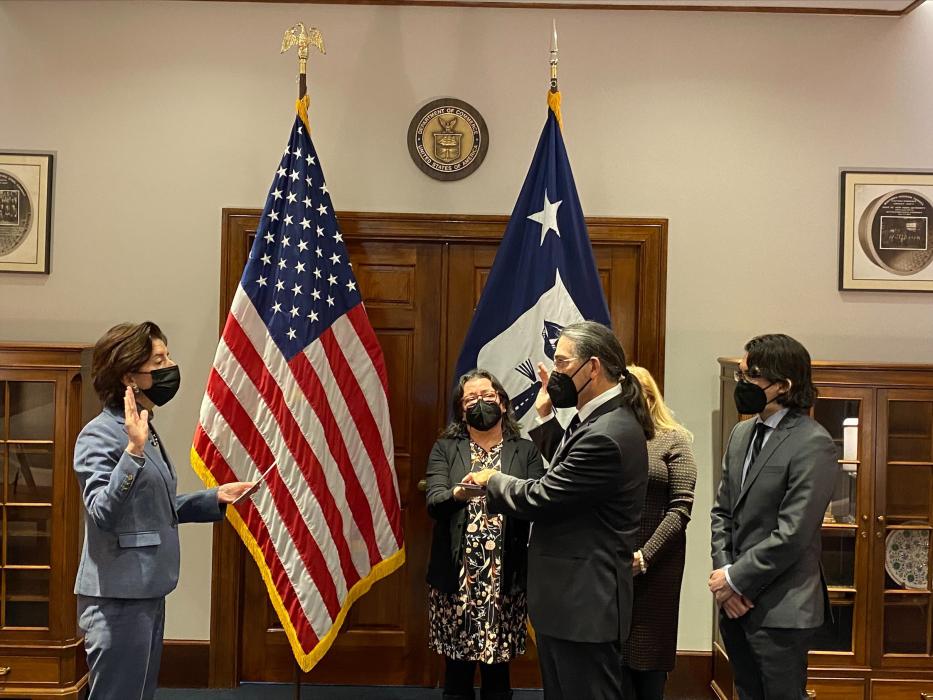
point(769, 529)
point(448, 464)
point(131, 513)
point(586, 511)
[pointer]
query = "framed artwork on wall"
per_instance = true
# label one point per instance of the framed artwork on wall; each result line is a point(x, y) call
point(25, 212)
point(885, 238)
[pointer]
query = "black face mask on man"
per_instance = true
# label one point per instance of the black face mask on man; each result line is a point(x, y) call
point(483, 415)
point(751, 398)
point(561, 389)
point(165, 384)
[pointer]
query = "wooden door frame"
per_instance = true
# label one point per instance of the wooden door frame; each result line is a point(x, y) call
point(649, 235)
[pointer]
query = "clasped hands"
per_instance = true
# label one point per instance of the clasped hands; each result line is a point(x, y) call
point(732, 603)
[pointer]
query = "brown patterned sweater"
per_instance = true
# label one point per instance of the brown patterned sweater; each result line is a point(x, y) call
point(672, 474)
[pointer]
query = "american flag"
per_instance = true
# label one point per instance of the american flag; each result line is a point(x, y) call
point(299, 381)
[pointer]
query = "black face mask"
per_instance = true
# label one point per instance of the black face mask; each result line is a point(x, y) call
point(165, 383)
point(483, 415)
point(750, 398)
point(561, 389)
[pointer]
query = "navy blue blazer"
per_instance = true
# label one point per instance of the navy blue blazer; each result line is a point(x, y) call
point(131, 513)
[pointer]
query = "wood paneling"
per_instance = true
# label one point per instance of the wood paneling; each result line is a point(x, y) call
point(420, 277)
point(185, 663)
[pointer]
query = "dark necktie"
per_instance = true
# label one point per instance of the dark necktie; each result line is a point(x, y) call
point(571, 426)
point(761, 429)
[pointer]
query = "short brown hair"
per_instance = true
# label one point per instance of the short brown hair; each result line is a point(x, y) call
point(124, 348)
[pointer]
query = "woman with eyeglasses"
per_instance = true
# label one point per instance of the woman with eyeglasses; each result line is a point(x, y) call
point(478, 565)
point(658, 565)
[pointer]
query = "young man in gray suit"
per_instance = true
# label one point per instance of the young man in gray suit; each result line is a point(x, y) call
point(586, 511)
point(778, 473)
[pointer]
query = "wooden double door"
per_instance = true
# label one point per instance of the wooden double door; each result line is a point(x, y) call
point(421, 277)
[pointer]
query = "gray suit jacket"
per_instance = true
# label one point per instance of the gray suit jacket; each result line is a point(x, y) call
point(769, 528)
point(131, 513)
point(586, 511)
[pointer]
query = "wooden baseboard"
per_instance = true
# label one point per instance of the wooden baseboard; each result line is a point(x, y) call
point(691, 676)
point(185, 663)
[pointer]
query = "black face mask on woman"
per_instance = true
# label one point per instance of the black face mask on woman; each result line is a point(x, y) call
point(483, 415)
point(561, 389)
point(750, 398)
point(165, 384)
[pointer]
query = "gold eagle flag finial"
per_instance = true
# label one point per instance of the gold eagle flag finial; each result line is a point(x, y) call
point(303, 37)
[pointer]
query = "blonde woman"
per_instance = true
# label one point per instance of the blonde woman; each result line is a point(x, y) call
point(658, 566)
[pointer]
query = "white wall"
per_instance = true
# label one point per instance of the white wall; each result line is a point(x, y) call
point(733, 126)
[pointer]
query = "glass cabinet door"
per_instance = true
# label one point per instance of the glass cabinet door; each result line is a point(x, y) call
point(903, 525)
point(845, 413)
point(27, 452)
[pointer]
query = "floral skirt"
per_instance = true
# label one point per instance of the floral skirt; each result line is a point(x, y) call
point(460, 630)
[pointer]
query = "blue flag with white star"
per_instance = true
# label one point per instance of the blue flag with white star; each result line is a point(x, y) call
point(543, 278)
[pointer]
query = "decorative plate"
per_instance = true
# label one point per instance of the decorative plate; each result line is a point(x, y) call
point(906, 555)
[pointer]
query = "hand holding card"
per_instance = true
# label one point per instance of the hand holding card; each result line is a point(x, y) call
point(255, 487)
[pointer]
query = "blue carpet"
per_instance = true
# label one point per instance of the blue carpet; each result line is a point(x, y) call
point(266, 691)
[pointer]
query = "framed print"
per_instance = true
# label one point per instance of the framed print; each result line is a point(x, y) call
point(885, 237)
point(25, 211)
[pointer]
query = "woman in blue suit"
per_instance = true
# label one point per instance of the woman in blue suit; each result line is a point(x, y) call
point(130, 558)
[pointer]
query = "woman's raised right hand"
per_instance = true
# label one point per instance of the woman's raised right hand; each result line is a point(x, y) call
point(137, 424)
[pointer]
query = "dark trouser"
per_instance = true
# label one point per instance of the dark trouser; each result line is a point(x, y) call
point(580, 670)
point(459, 674)
point(123, 641)
point(768, 663)
point(643, 685)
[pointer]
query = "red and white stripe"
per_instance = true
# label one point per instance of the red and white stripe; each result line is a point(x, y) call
point(330, 511)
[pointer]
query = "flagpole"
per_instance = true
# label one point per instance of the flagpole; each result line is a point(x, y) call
point(302, 37)
point(553, 97)
point(553, 60)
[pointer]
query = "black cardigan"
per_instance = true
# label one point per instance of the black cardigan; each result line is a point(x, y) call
point(448, 464)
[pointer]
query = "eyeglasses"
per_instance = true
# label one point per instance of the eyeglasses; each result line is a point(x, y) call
point(741, 376)
point(562, 362)
point(470, 399)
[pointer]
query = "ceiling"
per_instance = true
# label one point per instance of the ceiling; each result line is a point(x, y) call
point(844, 7)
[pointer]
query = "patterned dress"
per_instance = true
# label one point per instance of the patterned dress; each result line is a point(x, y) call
point(480, 622)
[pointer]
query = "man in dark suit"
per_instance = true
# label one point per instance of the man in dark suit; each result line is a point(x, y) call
point(586, 511)
point(778, 473)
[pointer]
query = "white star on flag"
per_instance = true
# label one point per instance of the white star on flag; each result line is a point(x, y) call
point(547, 217)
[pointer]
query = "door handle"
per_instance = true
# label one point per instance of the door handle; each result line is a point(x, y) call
point(422, 485)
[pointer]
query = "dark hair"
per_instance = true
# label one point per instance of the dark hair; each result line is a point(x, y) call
point(124, 348)
point(592, 339)
point(458, 426)
point(778, 357)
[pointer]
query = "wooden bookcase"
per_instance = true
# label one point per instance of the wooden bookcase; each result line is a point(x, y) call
point(880, 645)
point(43, 403)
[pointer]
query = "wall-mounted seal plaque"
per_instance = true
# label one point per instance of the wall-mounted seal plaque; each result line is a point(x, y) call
point(448, 139)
